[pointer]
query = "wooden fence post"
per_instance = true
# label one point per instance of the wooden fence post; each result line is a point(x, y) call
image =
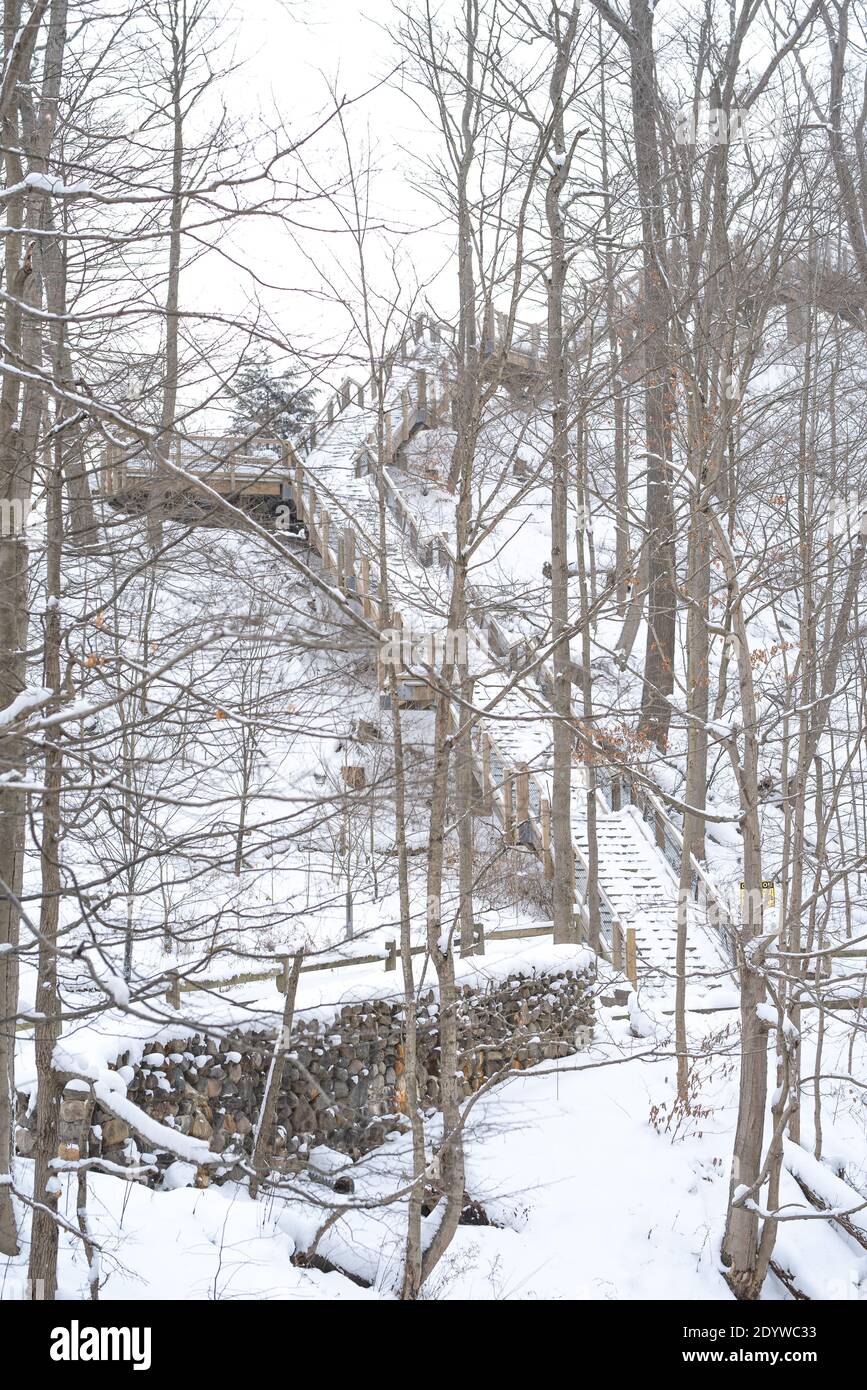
point(631, 958)
point(391, 955)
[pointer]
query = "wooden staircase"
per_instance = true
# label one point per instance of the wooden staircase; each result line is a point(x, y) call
point(335, 493)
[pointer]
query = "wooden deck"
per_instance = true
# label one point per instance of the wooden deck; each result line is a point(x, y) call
point(231, 465)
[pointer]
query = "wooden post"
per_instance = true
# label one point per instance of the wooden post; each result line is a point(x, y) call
point(349, 552)
point(360, 396)
point(508, 814)
point(545, 820)
point(478, 939)
point(421, 388)
point(617, 945)
point(391, 955)
point(631, 958)
point(523, 793)
point(341, 558)
point(388, 437)
point(173, 992)
point(486, 775)
point(329, 413)
point(324, 528)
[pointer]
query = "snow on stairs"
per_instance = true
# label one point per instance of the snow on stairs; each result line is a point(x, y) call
point(634, 875)
point(643, 891)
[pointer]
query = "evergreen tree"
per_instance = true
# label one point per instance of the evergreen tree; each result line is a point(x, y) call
point(269, 401)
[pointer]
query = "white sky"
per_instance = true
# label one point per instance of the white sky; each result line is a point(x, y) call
point(289, 54)
point(289, 51)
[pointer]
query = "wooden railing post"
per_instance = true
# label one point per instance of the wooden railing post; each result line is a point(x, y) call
point(341, 558)
point(617, 945)
point(324, 528)
point(486, 774)
point(349, 553)
point(522, 788)
point(508, 812)
point(631, 957)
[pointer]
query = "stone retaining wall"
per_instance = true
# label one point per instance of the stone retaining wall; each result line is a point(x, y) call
point(343, 1082)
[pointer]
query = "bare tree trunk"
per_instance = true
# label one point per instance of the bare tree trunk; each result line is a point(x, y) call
point(265, 1123)
point(464, 811)
point(659, 520)
point(585, 535)
point(561, 696)
point(741, 1241)
point(178, 32)
point(622, 554)
point(19, 427)
point(43, 1239)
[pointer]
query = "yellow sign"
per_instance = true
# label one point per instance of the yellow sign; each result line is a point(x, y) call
point(769, 895)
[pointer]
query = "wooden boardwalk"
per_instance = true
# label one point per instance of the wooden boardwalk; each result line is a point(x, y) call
point(232, 465)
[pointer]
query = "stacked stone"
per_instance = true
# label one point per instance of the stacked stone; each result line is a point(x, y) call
point(343, 1080)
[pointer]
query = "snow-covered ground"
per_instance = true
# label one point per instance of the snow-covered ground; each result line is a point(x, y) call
point(596, 1185)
